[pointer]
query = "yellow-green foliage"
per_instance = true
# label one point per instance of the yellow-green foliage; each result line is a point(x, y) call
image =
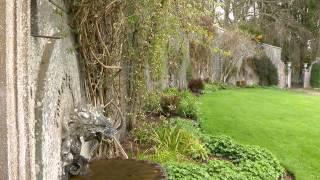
point(136, 35)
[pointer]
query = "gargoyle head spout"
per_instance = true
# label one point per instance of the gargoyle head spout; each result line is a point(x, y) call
point(90, 123)
point(87, 124)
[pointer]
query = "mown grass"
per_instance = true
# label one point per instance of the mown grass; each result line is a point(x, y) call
point(286, 123)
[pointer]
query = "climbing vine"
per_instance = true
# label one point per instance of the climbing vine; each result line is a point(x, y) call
point(123, 42)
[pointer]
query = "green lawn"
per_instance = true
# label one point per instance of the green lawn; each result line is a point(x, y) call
point(286, 123)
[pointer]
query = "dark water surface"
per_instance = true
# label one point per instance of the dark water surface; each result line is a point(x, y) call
point(123, 170)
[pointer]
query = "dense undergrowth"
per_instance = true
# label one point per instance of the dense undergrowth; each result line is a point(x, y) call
point(172, 102)
point(187, 152)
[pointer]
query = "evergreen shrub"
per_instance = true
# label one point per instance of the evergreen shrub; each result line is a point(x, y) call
point(315, 76)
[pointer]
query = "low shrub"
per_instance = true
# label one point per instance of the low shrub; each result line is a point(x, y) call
point(217, 86)
point(253, 161)
point(266, 70)
point(181, 146)
point(152, 102)
point(142, 134)
point(172, 102)
point(188, 107)
point(219, 169)
point(187, 171)
point(170, 137)
point(254, 86)
point(190, 126)
point(241, 83)
point(315, 76)
point(215, 169)
point(196, 85)
point(169, 104)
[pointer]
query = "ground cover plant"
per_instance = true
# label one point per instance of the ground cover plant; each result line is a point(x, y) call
point(216, 86)
point(286, 123)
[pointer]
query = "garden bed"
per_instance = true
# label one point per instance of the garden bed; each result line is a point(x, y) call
point(212, 156)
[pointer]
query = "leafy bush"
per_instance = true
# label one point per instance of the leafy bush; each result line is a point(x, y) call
point(219, 169)
point(169, 104)
point(173, 138)
point(213, 87)
point(152, 102)
point(266, 70)
point(315, 76)
point(179, 140)
point(188, 107)
point(143, 133)
point(215, 169)
point(196, 85)
point(190, 126)
point(172, 102)
point(164, 156)
point(186, 171)
point(253, 161)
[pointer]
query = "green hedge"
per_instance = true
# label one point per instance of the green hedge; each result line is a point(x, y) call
point(315, 76)
point(267, 72)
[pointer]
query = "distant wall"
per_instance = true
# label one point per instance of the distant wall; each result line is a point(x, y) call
point(307, 74)
point(274, 53)
point(213, 68)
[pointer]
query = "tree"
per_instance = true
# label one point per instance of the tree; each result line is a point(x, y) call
point(234, 48)
point(293, 25)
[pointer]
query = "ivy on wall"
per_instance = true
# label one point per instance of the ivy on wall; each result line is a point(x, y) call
point(135, 36)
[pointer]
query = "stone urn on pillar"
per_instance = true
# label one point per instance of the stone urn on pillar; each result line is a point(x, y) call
point(289, 64)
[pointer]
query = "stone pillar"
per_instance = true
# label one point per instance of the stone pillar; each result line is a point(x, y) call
point(39, 85)
point(16, 153)
point(289, 75)
point(306, 76)
point(3, 95)
point(182, 79)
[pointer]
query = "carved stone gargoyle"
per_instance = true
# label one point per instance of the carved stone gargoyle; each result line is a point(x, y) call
point(86, 124)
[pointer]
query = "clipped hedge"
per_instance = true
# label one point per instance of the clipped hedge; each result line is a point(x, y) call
point(315, 76)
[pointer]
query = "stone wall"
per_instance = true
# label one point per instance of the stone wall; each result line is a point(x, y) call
point(54, 77)
point(307, 74)
point(274, 53)
point(172, 77)
point(39, 87)
point(16, 126)
point(3, 94)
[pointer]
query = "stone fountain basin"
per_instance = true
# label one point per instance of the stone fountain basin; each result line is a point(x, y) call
point(117, 169)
